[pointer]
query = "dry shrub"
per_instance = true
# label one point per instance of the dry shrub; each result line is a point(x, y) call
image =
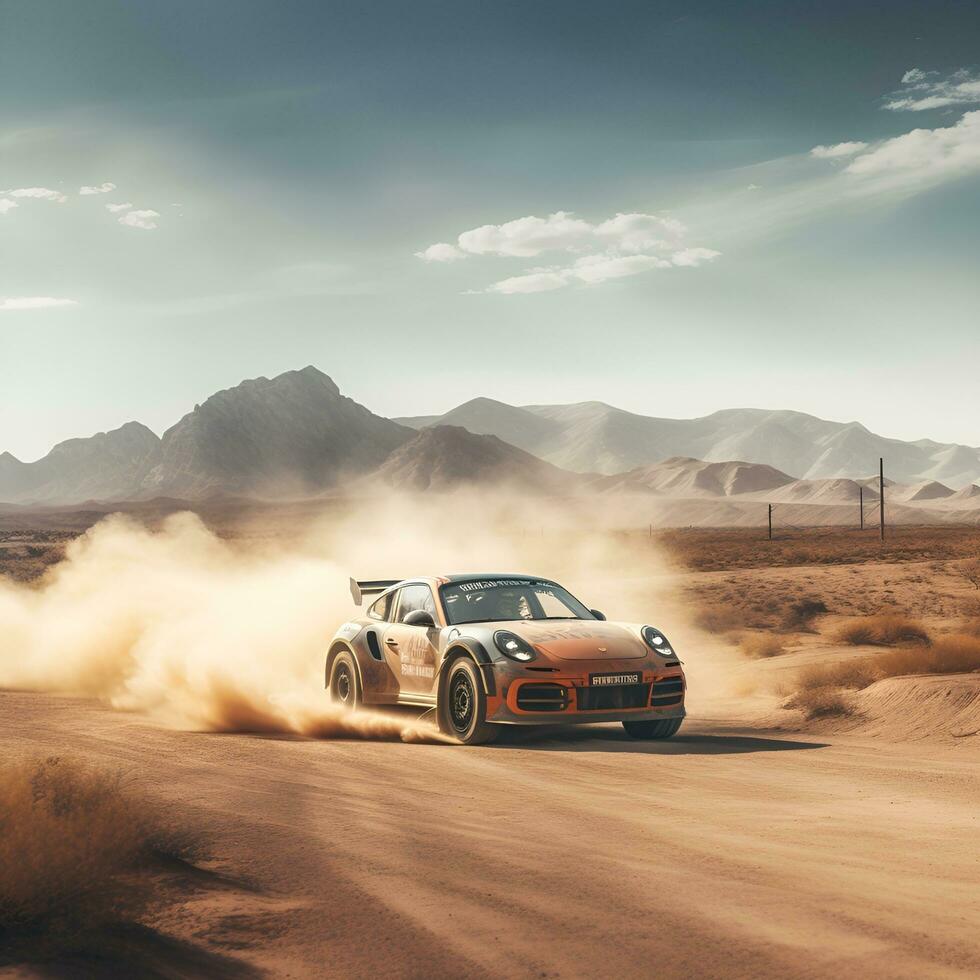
point(800, 614)
point(955, 654)
point(74, 849)
point(970, 570)
point(820, 702)
point(760, 647)
point(856, 674)
point(885, 629)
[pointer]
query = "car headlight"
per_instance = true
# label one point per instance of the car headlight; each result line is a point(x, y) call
point(511, 645)
point(657, 642)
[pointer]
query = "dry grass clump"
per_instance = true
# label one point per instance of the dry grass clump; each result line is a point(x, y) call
point(820, 702)
point(74, 848)
point(885, 629)
point(801, 614)
point(855, 674)
point(958, 653)
point(970, 570)
point(760, 647)
point(819, 687)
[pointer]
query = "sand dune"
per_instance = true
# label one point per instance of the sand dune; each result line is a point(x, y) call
point(926, 490)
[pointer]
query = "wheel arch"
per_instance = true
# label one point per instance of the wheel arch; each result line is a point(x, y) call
point(341, 646)
point(475, 650)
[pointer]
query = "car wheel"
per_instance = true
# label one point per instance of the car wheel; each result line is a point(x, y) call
point(463, 705)
point(344, 689)
point(664, 728)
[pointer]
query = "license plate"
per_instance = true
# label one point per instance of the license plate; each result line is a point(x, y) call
point(614, 680)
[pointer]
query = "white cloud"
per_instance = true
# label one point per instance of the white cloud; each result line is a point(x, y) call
point(693, 257)
point(118, 207)
point(533, 282)
point(6, 205)
point(599, 268)
point(40, 193)
point(140, 219)
point(838, 150)
point(441, 252)
point(594, 269)
point(99, 189)
point(623, 245)
point(929, 90)
point(33, 303)
point(526, 237)
point(639, 232)
point(561, 231)
point(923, 155)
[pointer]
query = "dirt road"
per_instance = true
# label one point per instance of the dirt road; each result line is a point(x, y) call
point(725, 852)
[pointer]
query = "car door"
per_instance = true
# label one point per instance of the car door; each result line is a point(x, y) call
point(411, 650)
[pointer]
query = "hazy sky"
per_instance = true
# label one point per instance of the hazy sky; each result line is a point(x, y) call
point(672, 207)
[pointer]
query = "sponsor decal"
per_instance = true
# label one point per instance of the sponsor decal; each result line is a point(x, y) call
point(615, 680)
point(417, 656)
point(497, 584)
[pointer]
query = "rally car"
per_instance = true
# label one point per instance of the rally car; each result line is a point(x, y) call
point(490, 650)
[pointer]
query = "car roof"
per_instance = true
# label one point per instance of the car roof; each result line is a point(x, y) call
point(468, 577)
point(437, 580)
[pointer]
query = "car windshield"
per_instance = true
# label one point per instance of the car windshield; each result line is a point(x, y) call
point(504, 600)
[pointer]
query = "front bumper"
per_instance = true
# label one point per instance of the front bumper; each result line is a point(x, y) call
point(572, 700)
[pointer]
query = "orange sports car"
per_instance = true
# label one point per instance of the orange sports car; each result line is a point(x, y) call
point(491, 650)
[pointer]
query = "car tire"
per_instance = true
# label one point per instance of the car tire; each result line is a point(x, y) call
point(463, 705)
point(663, 728)
point(345, 690)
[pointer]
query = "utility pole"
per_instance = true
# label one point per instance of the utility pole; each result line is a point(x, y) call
point(770, 522)
point(881, 495)
point(861, 498)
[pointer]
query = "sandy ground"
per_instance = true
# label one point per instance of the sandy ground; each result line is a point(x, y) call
point(727, 852)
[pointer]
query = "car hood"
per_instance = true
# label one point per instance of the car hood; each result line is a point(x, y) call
point(580, 639)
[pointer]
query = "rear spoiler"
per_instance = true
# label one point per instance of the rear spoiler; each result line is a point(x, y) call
point(360, 589)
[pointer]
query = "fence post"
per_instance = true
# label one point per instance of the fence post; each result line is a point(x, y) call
point(881, 495)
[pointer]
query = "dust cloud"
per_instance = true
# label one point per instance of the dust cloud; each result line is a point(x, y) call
point(218, 634)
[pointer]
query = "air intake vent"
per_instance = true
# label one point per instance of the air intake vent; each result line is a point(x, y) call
point(373, 645)
point(666, 692)
point(542, 697)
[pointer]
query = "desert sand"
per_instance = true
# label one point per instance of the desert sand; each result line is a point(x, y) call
point(758, 842)
point(728, 852)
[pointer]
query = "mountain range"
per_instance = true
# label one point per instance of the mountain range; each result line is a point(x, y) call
point(296, 435)
point(595, 437)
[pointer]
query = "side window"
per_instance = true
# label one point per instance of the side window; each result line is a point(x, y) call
point(414, 597)
point(382, 607)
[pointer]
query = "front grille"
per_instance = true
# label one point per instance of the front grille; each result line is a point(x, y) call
point(611, 698)
point(666, 692)
point(542, 697)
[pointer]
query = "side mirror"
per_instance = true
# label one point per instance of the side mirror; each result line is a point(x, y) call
point(419, 617)
point(597, 614)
